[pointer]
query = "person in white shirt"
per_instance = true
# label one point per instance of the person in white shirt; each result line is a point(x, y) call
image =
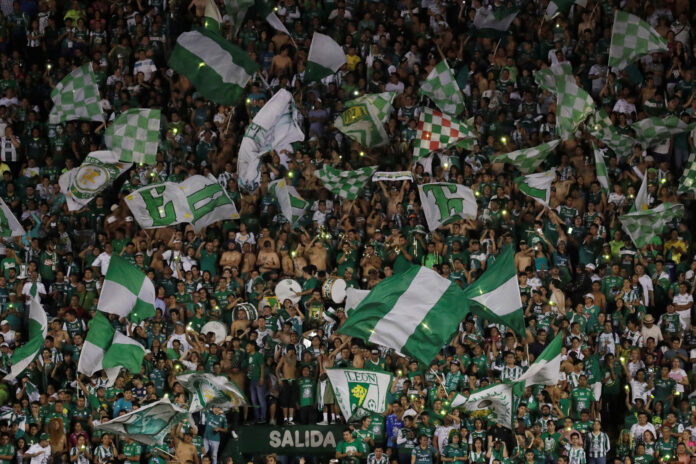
point(637, 430)
point(102, 261)
point(40, 288)
point(40, 452)
point(683, 302)
point(144, 65)
point(7, 333)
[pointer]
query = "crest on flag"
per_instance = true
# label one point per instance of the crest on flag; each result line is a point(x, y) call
point(360, 392)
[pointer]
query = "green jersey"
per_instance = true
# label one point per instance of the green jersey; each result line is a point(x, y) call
point(581, 398)
point(307, 388)
point(424, 456)
point(132, 451)
point(352, 448)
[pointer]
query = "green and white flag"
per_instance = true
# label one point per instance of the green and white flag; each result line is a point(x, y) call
point(491, 23)
point(9, 225)
point(134, 136)
point(392, 176)
point(198, 200)
point(441, 87)
point(548, 77)
point(25, 354)
point(213, 19)
point(537, 186)
point(445, 203)
point(275, 127)
point(354, 297)
point(601, 170)
point(654, 131)
point(292, 205)
point(496, 294)
point(414, 313)
point(325, 58)
point(437, 131)
point(631, 38)
point(97, 172)
point(574, 104)
point(148, 424)
point(527, 159)
point(602, 128)
point(266, 9)
point(210, 391)
point(359, 392)
point(687, 183)
point(642, 202)
point(557, 7)
point(236, 11)
point(345, 184)
point(6, 413)
point(108, 350)
point(76, 97)
point(127, 291)
point(363, 119)
point(217, 69)
point(546, 368)
point(643, 226)
point(496, 402)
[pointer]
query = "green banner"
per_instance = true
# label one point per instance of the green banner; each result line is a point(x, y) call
point(301, 439)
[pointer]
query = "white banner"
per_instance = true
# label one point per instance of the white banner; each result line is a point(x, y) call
point(391, 176)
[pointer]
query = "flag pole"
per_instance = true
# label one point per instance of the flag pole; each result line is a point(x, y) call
point(495, 50)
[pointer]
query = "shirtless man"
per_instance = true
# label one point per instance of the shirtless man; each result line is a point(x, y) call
point(394, 196)
point(60, 336)
point(370, 260)
point(286, 373)
point(317, 255)
point(231, 257)
point(249, 258)
point(184, 449)
point(281, 65)
point(524, 257)
point(268, 259)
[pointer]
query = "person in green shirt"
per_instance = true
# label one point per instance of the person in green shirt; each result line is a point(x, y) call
point(455, 451)
point(581, 397)
point(131, 451)
point(349, 450)
point(7, 450)
point(365, 433)
point(257, 381)
point(306, 386)
point(424, 453)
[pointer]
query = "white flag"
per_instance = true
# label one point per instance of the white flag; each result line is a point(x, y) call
point(359, 392)
point(445, 203)
point(99, 169)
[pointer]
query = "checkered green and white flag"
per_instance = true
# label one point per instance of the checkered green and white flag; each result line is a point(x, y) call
point(632, 37)
point(528, 159)
point(644, 225)
point(437, 131)
point(76, 97)
point(653, 131)
point(601, 127)
point(134, 136)
point(442, 88)
point(601, 170)
point(573, 103)
point(292, 205)
point(687, 183)
point(345, 184)
point(363, 119)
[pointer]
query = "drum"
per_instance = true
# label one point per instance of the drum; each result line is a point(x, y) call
point(334, 289)
point(286, 289)
point(250, 310)
point(218, 328)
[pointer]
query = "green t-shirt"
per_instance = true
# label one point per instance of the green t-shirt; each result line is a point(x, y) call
point(356, 446)
point(581, 398)
point(306, 387)
point(7, 450)
point(424, 456)
point(132, 451)
point(254, 367)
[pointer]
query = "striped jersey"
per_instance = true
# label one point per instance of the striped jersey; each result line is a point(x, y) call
point(598, 444)
point(511, 373)
point(576, 456)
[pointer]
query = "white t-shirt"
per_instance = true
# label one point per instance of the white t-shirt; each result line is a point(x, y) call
point(102, 262)
point(41, 458)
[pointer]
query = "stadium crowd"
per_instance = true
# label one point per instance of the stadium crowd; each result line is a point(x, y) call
point(629, 350)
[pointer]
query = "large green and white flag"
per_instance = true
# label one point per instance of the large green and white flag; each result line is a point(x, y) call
point(108, 350)
point(292, 205)
point(496, 402)
point(212, 19)
point(275, 127)
point(127, 291)
point(546, 368)
point(548, 77)
point(496, 294)
point(557, 7)
point(359, 392)
point(325, 58)
point(601, 127)
point(236, 11)
point(537, 186)
point(198, 200)
point(445, 203)
point(9, 225)
point(345, 184)
point(574, 104)
point(601, 170)
point(527, 159)
point(491, 23)
point(148, 424)
point(687, 183)
point(354, 297)
point(654, 131)
point(217, 69)
point(210, 391)
point(266, 9)
point(363, 119)
point(76, 97)
point(25, 354)
point(631, 38)
point(414, 313)
point(643, 226)
point(134, 136)
point(442, 88)
point(437, 131)
point(96, 173)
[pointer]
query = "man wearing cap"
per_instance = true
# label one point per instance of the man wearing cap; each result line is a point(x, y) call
point(7, 333)
point(40, 452)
